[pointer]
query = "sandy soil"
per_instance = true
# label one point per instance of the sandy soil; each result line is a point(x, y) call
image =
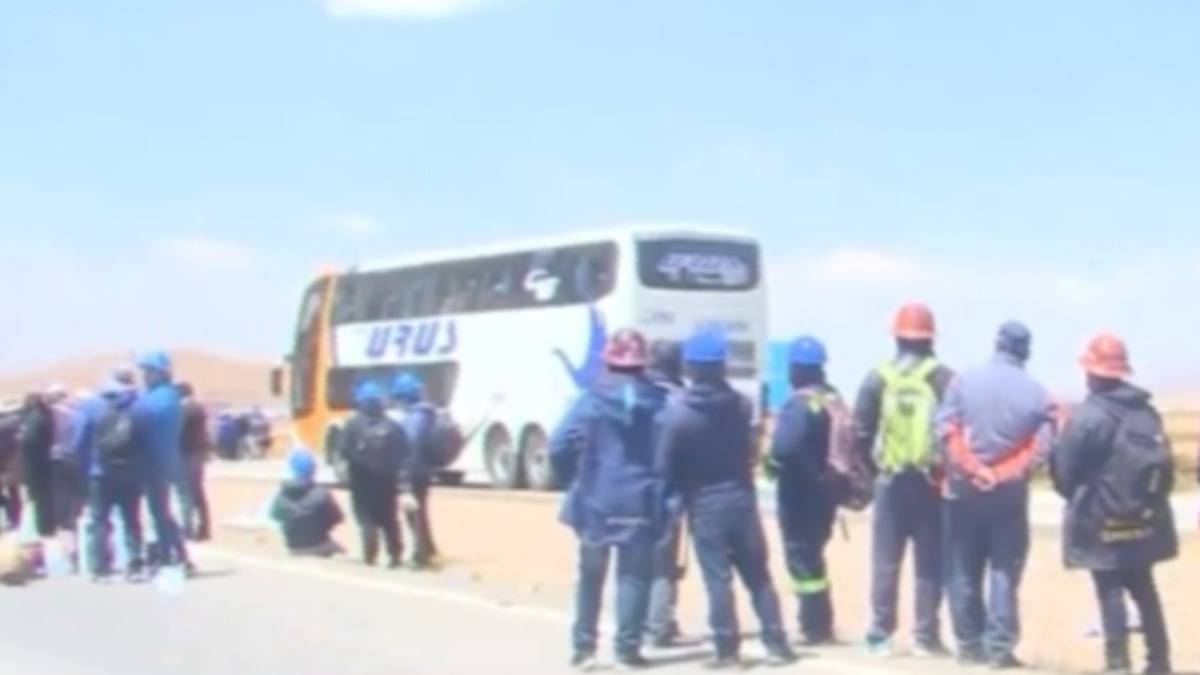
point(516, 546)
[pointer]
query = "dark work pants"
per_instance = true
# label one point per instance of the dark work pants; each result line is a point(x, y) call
point(634, 567)
point(422, 548)
point(375, 500)
point(728, 537)
point(169, 544)
point(193, 498)
point(10, 498)
point(41, 494)
point(120, 493)
point(664, 586)
point(805, 529)
point(986, 538)
point(908, 509)
point(67, 494)
point(1111, 587)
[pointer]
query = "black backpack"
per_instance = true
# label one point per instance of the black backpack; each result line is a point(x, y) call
point(1137, 479)
point(114, 437)
point(375, 444)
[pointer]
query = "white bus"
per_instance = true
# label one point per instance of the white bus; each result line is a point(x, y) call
point(505, 336)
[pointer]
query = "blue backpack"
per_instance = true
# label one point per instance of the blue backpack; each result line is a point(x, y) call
point(446, 436)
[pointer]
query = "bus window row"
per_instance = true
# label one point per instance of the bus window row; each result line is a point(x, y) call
point(551, 277)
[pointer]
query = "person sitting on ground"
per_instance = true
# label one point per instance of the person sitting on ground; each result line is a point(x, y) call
point(306, 512)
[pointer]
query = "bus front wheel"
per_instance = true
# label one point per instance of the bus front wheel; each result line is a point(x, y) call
point(535, 459)
point(503, 460)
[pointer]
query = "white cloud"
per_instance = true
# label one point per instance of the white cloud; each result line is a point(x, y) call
point(210, 253)
point(402, 9)
point(865, 266)
point(352, 223)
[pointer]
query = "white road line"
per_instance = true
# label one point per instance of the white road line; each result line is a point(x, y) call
point(396, 587)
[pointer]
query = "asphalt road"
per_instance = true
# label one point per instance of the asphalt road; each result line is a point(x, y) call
point(252, 615)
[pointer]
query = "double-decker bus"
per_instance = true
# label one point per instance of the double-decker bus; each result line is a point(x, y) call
point(504, 337)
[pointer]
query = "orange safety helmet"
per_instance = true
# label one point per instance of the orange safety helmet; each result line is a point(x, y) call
point(913, 321)
point(1106, 356)
point(626, 348)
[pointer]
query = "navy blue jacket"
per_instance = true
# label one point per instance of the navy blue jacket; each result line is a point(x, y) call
point(603, 451)
point(1077, 462)
point(306, 513)
point(707, 442)
point(420, 424)
point(799, 453)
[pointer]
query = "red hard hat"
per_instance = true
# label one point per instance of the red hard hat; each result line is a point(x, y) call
point(913, 321)
point(626, 348)
point(1106, 356)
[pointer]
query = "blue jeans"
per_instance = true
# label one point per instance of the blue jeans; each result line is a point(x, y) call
point(664, 590)
point(168, 535)
point(635, 566)
point(120, 493)
point(728, 537)
point(986, 539)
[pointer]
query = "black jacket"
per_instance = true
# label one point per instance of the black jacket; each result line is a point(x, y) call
point(35, 436)
point(306, 513)
point(1078, 463)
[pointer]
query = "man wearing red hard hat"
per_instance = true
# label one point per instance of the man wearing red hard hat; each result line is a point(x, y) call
point(893, 434)
point(1113, 465)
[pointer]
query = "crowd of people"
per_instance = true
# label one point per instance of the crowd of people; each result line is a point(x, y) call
point(661, 448)
point(392, 445)
point(126, 449)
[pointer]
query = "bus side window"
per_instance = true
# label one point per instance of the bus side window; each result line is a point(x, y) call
point(345, 302)
point(500, 289)
point(591, 267)
point(391, 290)
point(421, 292)
point(460, 289)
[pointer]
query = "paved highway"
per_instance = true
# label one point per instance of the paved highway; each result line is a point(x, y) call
point(259, 615)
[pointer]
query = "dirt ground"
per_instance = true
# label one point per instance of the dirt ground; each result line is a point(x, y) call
point(515, 545)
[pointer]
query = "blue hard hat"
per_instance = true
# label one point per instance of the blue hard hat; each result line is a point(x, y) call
point(154, 359)
point(707, 345)
point(368, 390)
point(406, 385)
point(300, 463)
point(807, 350)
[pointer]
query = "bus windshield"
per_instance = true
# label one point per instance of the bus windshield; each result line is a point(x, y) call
point(688, 264)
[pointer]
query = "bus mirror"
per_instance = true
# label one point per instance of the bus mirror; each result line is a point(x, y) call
point(276, 381)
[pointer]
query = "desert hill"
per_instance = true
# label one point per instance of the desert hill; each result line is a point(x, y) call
point(216, 377)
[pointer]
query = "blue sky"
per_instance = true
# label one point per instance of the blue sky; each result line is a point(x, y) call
point(171, 171)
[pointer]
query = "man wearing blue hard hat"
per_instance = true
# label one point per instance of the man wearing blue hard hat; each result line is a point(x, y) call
point(706, 454)
point(158, 431)
point(426, 429)
point(376, 450)
point(799, 459)
point(105, 444)
point(306, 512)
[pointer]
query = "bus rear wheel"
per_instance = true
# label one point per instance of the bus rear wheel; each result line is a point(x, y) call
point(503, 460)
point(535, 459)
